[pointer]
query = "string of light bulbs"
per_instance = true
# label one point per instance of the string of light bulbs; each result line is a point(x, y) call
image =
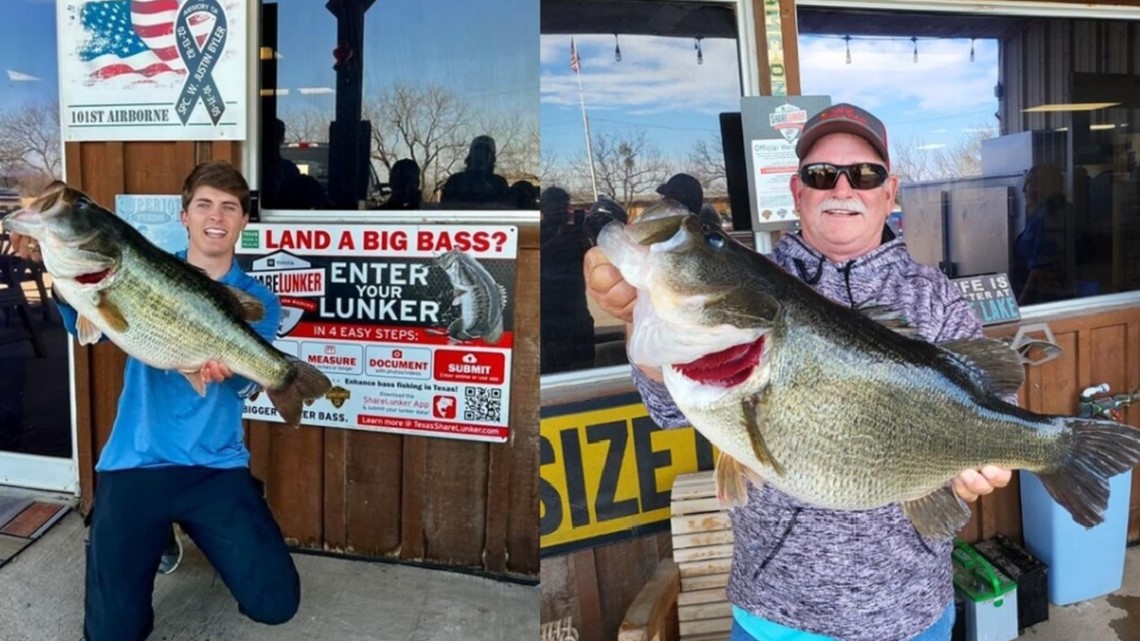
point(913, 40)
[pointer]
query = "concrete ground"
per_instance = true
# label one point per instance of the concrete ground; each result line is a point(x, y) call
point(41, 599)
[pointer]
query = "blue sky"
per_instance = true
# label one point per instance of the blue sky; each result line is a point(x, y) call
point(481, 49)
point(28, 48)
point(659, 87)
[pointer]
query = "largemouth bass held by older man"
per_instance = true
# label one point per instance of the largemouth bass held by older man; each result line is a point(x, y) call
point(835, 406)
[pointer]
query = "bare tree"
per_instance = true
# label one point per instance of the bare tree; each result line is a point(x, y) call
point(627, 165)
point(308, 125)
point(913, 161)
point(30, 145)
point(706, 162)
point(517, 143)
point(431, 125)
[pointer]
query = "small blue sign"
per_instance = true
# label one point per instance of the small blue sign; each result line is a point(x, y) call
point(157, 217)
point(992, 298)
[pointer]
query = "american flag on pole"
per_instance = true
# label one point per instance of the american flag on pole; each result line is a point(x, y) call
point(134, 37)
point(575, 61)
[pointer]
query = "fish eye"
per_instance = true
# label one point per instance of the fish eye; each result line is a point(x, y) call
point(716, 241)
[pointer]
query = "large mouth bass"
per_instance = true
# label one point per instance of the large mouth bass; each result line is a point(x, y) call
point(154, 306)
point(480, 299)
point(834, 406)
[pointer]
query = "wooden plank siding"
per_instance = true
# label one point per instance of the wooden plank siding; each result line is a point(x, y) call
point(456, 503)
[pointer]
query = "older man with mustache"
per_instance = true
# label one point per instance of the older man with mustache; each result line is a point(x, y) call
point(799, 572)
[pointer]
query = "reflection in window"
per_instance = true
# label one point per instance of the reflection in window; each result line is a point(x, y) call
point(403, 105)
point(35, 406)
point(652, 78)
point(1008, 163)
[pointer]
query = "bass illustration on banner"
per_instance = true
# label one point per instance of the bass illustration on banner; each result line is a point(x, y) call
point(480, 299)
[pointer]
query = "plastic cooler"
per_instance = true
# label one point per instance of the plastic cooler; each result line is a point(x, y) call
point(1083, 563)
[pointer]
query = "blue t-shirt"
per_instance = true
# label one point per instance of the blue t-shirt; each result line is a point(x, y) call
point(163, 422)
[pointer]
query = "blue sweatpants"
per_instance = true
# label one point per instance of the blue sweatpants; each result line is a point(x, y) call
point(222, 510)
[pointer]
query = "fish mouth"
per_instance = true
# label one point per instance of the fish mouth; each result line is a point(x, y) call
point(22, 221)
point(725, 368)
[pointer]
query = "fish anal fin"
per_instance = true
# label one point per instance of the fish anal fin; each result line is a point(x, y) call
point(993, 361)
point(938, 515)
point(732, 478)
point(248, 305)
point(112, 315)
point(194, 377)
point(87, 332)
point(755, 409)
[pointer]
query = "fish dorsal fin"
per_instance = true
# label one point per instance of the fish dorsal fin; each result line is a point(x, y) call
point(248, 305)
point(503, 296)
point(995, 363)
point(889, 318)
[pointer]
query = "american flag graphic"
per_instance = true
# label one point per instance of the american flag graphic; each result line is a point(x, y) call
point(575, 61)
point(135, 37)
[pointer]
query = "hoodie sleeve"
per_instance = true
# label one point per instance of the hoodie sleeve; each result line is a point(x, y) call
point(658, 401)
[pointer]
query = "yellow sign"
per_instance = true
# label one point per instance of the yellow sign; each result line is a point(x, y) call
point(607, 471)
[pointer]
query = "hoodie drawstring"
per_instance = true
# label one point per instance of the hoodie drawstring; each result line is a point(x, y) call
point(801, 268)
point(846, 269)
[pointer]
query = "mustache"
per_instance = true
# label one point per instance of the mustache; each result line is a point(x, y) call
point(846, 204)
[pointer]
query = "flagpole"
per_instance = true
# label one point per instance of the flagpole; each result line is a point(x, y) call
point(576, 64)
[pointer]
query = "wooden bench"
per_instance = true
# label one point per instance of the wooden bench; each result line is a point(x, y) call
point(684, 600)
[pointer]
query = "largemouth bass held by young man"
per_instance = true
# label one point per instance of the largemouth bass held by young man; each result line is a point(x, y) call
point(156, 307)
point(834, 406)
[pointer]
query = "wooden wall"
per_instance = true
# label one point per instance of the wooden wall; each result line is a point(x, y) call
point(458, 503)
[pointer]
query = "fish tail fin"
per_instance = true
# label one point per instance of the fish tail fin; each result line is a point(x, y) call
point(731, 479)
point(1101, 449)
point(305, 383)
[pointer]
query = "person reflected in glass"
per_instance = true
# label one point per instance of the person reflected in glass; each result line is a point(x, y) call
point(523, 194)
point(567, 328)
point(404, 180)
point(1038, 270)
point(477, 186)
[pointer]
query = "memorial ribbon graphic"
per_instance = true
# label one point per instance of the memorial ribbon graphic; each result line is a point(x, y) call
point(200, 62)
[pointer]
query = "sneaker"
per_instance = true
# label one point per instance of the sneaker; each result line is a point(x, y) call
point(172, 555)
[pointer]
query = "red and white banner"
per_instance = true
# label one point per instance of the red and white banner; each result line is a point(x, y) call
point(414, 324)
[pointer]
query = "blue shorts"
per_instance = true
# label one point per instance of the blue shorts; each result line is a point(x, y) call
point(748, 627)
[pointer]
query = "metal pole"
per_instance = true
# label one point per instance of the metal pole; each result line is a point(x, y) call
point(586, 128)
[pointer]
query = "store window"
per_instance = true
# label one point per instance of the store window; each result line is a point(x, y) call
point(648, 82)
point(1020, 159)
point(35, 396)
point(403, 105)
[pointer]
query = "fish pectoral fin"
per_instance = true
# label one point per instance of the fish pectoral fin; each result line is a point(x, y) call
point(731, 478)
point(994, 360)
point(889, 318)
point(938, 515)
point(248, 305)
point(196, 380)
point(87, 332)
point(755, 409)
point(112, 314)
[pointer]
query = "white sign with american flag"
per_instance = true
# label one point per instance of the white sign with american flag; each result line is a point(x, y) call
point(152, 69)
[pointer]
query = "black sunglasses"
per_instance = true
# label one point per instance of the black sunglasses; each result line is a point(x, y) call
point(863, 175)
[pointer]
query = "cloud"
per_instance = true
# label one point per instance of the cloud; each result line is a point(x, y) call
point(656, 75)
point(883, 72)
point(16, 76)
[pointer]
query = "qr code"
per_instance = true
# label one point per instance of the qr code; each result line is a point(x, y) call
point(483, 404)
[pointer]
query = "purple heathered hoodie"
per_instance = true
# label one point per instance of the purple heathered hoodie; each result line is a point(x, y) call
point(853, 575)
